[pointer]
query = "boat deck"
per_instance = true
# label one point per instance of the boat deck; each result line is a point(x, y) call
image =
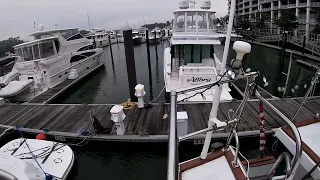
point(146, 124)
point(52, 93)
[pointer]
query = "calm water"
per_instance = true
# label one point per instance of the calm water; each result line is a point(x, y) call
point(110, 85)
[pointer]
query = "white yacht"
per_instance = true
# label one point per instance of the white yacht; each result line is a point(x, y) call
point(46, 159)
point(98, 36)
point(136, 38)
point(47, 61)
point(191, 60)
point(142, 33)
point(155, 36)
point(120, 38)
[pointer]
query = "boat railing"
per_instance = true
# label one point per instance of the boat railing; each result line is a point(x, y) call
point(296, 158)
point(172, 173)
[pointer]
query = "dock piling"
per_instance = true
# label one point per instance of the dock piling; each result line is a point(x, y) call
point(149, 65)
point(131, 67)
point(110, 46)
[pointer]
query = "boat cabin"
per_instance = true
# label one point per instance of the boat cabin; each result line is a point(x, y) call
point(38, 49)
point(49, 43)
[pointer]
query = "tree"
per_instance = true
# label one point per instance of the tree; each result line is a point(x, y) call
point(287, 21)
point(316, 29)
point(261, 22)
point(244, 23)
point(7, 45)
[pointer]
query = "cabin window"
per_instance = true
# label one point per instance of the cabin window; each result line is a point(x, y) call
point(202, 21)
point(36, 53)
point(27, 53)
point(77, 36)
point(191, 21)
point(89, 37)
point(212, 25)
point(180, 22)
point(18, 52)
point(81, 56)
point(69, 33)
point(56, 43)
point(86, 48)
point(46, 49)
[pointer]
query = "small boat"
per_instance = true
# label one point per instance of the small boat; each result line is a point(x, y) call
point(47, 61)
point(136, 38)
point(98, 36)
point(32, 159)
point(120, 38)
point(142, 34)
point(191, 60)
point(155, 36)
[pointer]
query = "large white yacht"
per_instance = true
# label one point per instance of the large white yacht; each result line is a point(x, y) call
point(136, 38)
point(191, 60)
point(155, 36)
point(98, 36)
point(47, 61)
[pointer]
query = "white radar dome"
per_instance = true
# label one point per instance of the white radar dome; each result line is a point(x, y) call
point(206, 4)
point(183, 4)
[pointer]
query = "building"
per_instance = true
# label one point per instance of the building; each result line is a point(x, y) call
point(305, 10)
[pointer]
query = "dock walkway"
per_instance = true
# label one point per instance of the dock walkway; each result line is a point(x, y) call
point(146, 124)
point(52, 93)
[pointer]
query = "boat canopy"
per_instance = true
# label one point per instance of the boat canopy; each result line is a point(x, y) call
point(66, 33)
point(37, 49)
point(194, 20)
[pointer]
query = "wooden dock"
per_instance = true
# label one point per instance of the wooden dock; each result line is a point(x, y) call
point(146, 124)
point(52, 93)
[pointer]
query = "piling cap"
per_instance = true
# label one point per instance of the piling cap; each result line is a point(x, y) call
point(127, 27)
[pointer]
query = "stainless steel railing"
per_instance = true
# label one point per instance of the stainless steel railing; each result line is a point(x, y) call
point(172, 173)
point(296, 134)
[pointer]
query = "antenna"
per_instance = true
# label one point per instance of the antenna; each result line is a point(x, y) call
point(89, 21)
point(34, 25)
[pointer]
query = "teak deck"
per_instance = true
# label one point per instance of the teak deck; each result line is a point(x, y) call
point(146, 123)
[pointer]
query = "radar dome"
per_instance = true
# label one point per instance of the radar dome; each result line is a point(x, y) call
point(206, 4)
point(183, 4)
point(41, 27)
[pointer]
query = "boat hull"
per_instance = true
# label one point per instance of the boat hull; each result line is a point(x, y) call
point(82, 67)
point(154, 41)
point(136, 41)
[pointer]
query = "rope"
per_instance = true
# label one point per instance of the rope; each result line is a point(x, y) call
point(262, 133)
point(18, 129)
point(158, 95)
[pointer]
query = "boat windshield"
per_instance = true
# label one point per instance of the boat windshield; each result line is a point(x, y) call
point(37, 51)
point(194, 21)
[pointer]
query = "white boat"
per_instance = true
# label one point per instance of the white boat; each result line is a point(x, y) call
point(98, 36)
point(190, 60)
point(112, 34)
point(120, 38)
point(142, 33)
point(155, 36)
point(18, 163)
point(47, 61)
point(136, 38)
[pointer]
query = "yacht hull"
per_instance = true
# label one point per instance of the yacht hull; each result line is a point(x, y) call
point(82, 67)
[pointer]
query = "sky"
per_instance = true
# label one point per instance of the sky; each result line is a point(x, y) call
point(18, 16)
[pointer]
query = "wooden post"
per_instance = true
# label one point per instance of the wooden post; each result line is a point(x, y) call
point(110, 47)
point(149, 66)
point(303, 45)
point(131, 67)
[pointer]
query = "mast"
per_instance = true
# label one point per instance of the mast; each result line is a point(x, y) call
point(217, 94)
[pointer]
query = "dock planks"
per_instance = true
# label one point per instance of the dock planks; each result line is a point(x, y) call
point(74, 119)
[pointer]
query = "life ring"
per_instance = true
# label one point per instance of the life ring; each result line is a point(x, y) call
point(128, 105)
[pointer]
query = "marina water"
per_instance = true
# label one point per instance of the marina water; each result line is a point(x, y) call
point(110, 85)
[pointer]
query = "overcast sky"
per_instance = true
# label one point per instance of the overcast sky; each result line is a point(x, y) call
point(17, 16)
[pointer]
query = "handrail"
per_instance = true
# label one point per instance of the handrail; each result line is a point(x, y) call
point(287, 159)
point(297, 156)
point(172, 173)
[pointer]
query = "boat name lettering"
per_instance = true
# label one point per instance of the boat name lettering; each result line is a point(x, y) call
point(198, 79)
